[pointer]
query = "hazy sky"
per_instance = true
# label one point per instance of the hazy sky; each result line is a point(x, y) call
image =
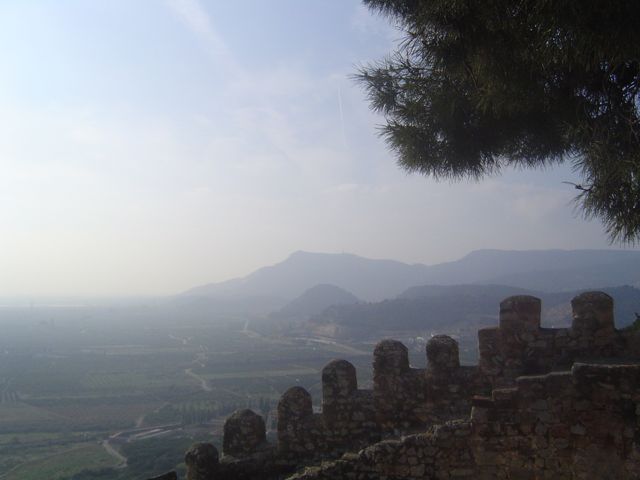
point(149, 146)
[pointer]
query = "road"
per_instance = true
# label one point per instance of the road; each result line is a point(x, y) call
point(114, 453)
point(203, 383)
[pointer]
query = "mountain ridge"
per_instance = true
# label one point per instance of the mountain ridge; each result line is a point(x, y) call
point(457, 307)
point(378, 279)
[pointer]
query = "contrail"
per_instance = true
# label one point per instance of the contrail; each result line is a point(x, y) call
point(344, 134)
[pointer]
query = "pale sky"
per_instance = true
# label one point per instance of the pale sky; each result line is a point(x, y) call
point(149, 146)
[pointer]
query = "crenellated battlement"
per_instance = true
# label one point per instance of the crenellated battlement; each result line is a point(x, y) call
point(520, 314)
point(244, 434)
point(577, 424)
point(407, 400)
point(520, 346)
point(443, 355)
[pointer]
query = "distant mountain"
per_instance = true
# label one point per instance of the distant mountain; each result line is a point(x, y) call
point(450, 309)
point(466, 291)
point(314, 301)
point(619, 272)
point(374, 280)
point(545, 270)
point(367, 279)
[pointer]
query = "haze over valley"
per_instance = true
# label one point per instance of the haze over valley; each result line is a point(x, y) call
point(122, 382)
point(199, 208)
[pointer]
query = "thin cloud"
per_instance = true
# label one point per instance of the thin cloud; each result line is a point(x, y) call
point(196, 19)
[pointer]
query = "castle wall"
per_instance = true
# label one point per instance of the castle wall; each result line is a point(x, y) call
point(300, 431)
point(582, 424)
point(442, 453)
point(348, 413)
point(542, 421)
point(403, 399)
point(519, 346)
point(399, 391)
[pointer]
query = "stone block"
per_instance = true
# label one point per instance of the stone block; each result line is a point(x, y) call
point(442, 354)
point(244, 434)
point(201, 461)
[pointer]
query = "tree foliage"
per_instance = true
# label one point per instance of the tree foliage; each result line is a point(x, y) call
point(478, 85)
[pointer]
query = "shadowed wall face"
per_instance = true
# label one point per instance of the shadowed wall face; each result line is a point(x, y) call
point(298, 430)
point(201, 461)
point(519, 346)
point(442, 354)
point(338, 386)
point(244, 434)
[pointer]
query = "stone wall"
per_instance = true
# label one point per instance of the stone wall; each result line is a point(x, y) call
point(244, 434)
point(408, 399)
point(582, 424)
point(438, 400)
point(443, 452)
point(519, 346)
point(403, 399)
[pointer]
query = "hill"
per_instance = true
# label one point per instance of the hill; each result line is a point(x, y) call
point(457, 308)
point(368, 279)
point(315, 301)
point(375, 280)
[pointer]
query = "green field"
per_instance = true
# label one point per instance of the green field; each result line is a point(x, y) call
point(63, 464)
point(69, 380)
